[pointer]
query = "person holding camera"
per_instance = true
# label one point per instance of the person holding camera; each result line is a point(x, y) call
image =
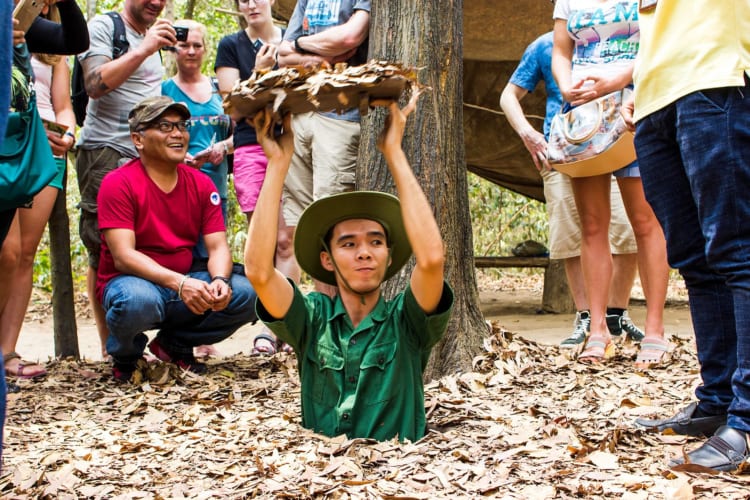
point(115, 83)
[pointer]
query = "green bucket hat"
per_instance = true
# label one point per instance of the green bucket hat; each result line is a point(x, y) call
point(325, 213)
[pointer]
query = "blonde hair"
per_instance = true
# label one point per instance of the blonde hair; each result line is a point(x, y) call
point(192, 25)
point(50, 59)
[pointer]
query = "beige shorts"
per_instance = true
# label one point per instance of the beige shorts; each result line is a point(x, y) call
point(324, 161)
point(565, 225)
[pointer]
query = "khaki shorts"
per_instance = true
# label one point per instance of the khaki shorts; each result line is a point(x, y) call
point(324, 161)
point(91, 166)
point(565, 225)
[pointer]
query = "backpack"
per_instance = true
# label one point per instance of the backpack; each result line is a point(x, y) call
point(79, 97)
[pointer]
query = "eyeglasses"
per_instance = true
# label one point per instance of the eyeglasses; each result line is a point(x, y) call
point(167, 126)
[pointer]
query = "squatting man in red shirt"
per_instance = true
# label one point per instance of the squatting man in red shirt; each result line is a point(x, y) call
point(152, 212)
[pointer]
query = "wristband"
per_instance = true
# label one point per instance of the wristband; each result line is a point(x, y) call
point(298, 48)
point(69, 133)
point(179, 289)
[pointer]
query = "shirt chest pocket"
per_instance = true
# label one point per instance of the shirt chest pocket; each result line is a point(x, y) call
point(379, 373)
point(328, 373)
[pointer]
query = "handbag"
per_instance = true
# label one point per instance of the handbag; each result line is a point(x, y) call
point(591, 139)
point(26, 161)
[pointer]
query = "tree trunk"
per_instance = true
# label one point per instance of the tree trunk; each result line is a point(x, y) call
point(189, 9)
point(90, 9)
point(428, 34)
point(63, 307)
point(556, 297)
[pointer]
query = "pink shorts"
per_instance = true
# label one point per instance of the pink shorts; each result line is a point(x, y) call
point(249, 171)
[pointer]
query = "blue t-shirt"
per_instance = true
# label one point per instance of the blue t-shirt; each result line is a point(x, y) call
point(208, 125)
point(536, 66)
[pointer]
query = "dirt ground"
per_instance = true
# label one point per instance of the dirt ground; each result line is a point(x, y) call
point(512, 300)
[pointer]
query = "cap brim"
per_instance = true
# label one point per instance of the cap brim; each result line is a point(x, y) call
point(323, 214)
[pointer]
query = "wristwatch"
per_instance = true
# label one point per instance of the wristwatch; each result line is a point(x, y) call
point(298, 48)
point(225, 280)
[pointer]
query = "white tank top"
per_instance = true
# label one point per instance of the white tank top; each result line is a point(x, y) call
point(42, 86)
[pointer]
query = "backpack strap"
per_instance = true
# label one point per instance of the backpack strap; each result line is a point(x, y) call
point(120, 44)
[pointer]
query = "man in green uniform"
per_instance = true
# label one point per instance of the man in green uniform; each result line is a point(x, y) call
point(361, 358)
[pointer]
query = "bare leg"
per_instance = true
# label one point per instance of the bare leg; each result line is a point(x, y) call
point(652, 253)
point(100, 318)
point(32, 222)
point(593, 204)
point(10, 255)
point(624, 267)
point(574, 274)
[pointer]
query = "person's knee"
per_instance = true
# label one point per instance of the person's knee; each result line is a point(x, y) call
point(285, 243)
point(132, 305)
point(10, 255)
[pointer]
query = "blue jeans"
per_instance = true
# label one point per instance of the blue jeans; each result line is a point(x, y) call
point(134, 305)
point(694, 157)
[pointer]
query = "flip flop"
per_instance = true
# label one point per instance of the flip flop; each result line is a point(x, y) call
point(24, 369)
point(598, 348)
point(654, 352)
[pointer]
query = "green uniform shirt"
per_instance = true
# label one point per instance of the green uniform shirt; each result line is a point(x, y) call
point(366, 381)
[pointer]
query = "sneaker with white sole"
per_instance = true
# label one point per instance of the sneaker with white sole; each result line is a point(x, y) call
point(617, 324)
point(581, 327)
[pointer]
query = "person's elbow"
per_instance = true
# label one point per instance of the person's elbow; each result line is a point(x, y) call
point(432, 260)
point(259, 275)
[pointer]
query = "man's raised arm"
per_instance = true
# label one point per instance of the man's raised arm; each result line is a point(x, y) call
point(419, 221)
point(272, 287)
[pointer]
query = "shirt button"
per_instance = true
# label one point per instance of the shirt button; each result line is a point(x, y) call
point(322, 360)
point(345, 416)
point(353, 342)
point(352, 379)
point(381, 360)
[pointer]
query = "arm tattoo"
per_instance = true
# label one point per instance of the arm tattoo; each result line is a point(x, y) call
point(92, 69)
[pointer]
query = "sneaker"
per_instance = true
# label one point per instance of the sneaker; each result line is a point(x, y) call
point(617, 324)
point(184, 361)
point(581, 327)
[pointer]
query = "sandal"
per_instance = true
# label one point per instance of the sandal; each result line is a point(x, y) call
point(598, 348)
point(24, 369)
point(267, 345)
point(654, 352)
point(264, 345)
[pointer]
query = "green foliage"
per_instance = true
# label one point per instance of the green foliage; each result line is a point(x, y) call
point(501, 218)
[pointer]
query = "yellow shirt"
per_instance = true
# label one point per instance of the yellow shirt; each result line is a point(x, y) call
point(687, 46)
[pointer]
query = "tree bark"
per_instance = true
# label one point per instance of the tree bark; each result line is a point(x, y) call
point(63, 306)
point(189, 9)
point(428, 34)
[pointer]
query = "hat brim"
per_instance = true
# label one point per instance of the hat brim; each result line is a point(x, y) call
point(323, 214)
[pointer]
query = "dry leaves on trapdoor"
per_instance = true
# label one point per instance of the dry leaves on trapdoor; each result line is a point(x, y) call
point(298, 89)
